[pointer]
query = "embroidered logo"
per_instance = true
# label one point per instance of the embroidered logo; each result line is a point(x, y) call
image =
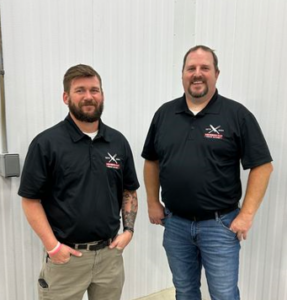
point(112, 162)
point(213, 132)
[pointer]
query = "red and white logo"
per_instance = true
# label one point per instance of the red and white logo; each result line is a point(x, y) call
point(112, 162)
point(213, 132)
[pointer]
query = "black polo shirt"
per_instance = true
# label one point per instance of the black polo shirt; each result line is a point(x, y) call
point(199, 155)
point(80, 181)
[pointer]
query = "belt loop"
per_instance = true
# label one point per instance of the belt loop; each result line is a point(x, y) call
point(216, 216)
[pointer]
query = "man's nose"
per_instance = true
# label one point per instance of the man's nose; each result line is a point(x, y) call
point(88, 95)
point(197, 72)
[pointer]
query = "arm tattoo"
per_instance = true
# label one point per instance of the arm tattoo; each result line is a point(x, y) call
point(129, 208)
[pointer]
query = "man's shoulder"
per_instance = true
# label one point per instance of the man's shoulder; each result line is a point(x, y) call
point(50, 133)
point(171, 104)
point(230, 102)
point(233, 106)
point(112, 133)
point(170, 107)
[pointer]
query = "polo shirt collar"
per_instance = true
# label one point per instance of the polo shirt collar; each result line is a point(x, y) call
point(76, 134)
point(213, 106)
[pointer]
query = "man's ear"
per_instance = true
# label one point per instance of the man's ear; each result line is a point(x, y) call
point(66, 98)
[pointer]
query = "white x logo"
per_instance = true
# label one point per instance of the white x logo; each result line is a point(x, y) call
point(214, 129)
point(112, 158)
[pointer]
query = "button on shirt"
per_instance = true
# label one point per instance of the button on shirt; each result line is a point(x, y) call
point(199, 155)
point(79, 181)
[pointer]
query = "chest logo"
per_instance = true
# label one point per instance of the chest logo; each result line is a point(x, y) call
point(214, 132)
point(112, 161)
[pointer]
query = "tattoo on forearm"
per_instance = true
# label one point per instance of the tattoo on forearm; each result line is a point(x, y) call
point(129, 208)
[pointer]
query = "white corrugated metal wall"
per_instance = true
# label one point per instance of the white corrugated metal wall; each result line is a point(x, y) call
point(138, 46)
point(250, 39)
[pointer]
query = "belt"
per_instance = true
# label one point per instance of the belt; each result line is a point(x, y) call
point(93, 246)
point(208, 215)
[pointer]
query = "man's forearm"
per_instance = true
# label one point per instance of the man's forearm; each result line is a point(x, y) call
point(151, 180)
point(152, 184)
point(37, 219)
point(129, 209)
point(256, 187)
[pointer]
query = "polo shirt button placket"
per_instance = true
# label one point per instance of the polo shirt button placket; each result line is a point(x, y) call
point(91, 151)
point(191, 133)
point(93, 157)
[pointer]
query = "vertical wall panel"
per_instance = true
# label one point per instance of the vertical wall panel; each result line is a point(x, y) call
point(184, 39)
point(130, 43)
point(249, 38)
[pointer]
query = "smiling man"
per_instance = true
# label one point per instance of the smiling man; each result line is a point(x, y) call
point(193, 152)
point(77, 178)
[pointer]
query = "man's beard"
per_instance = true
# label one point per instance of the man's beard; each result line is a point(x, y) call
point(78, 113)
point(198, 94)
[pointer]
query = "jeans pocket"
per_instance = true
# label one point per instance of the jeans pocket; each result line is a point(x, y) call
point(226, 220)
point(167, 215)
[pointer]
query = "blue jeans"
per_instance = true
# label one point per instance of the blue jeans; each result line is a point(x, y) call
point(190, 245)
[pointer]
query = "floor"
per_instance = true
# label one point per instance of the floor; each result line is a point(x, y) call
point(167, 294)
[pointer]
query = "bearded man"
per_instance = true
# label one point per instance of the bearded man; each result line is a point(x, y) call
point(77, 178)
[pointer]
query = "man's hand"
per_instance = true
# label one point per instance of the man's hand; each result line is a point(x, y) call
point(122, 240)
point(241, 225)
point(256, 186)
point(64, 255)
point(156, 212)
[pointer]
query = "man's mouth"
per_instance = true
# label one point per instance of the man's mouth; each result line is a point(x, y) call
point(197, 82)
point(88, 103)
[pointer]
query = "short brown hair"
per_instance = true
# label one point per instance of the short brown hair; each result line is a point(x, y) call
point(204, 48)
point(79, 71)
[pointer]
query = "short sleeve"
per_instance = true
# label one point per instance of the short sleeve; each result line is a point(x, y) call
point(255, 151)
point(130, 180)
point(149, 151)
point(34, 176)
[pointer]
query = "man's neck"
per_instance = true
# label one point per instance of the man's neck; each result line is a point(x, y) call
point(86, 126)
point(198, 104)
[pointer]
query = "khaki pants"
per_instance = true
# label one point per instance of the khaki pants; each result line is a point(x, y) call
point(100, 273)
